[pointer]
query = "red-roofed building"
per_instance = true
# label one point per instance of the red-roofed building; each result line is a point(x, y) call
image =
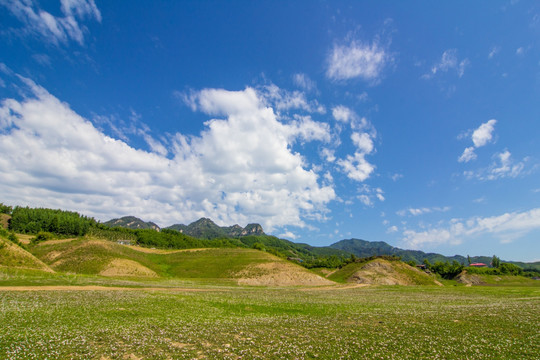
point(478, 265)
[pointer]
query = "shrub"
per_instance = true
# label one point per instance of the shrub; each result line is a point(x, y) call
point(42, 236)
point(259, 246)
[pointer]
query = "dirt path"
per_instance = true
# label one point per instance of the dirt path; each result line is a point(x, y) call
point(336, 287)
point(97, 288)
point(162, 251)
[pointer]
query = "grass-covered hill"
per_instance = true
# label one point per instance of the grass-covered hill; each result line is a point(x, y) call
point(236, 265)
point(382, 271)
point(15, 256)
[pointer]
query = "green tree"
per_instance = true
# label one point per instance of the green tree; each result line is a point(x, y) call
point(495, 262)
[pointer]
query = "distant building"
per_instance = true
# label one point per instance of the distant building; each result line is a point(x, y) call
point(421, 266)
point(124, 242)
point(478, 265)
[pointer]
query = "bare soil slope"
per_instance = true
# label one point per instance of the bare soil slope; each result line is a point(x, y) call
point(383, 272)
point(126, 267)
point(279, 273)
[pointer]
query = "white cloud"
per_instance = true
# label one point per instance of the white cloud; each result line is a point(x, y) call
point(484, 134)
point(288, 235)
point(468, 155)
point(366, 200)
point(303, 81)
point(357, 60)
point(356, 167)
point(494, 51)
point(502, 166)
point(422, 211)
point(480, 137)
point(507, 227)
point(449, 61)
point(392, 229)
point(284, 100)
point(240, 169)
point(369, 195)
point(53, 28)
point(343, 114)
point(328, 154)
point(363, 142)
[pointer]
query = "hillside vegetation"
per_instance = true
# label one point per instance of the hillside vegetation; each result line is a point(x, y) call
point(237, 265)
point(14, 256)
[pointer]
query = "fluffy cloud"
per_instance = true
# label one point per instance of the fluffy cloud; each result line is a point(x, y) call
point(449, 61)
point(53, 28)
point(480, 137)
point(357, 60)
point(356, 167)
point(240, 169)
point(506, 227)
point(484, 134)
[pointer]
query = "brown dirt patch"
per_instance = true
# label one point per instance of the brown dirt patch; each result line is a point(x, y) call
point(469, 279)
point(382, 272)
point(4, 218)
point(279, 274)
point(25, 238)
point(126, 267)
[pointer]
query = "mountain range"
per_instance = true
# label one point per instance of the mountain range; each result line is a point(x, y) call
point(205, 228)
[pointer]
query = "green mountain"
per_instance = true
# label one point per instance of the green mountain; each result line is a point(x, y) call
point(205, 228)
point(363, 248)
point(131, 222)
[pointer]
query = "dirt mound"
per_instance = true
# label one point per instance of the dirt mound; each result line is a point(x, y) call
point(383, 272)
point(469, 279)
point(126, 267)
point(4, 220)
point(279, 274)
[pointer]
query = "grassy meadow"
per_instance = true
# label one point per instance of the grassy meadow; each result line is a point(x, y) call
point(233, 322)
point(88, 299)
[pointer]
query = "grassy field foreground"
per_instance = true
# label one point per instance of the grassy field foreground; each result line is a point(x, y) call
point(282, 323)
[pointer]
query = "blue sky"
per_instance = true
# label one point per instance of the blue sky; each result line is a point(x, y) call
point(414, 123)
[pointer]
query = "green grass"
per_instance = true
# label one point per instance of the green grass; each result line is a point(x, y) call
point(86, 257)
point(376, 323)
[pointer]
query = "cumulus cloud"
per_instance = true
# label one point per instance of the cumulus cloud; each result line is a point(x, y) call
point(480, 137)
point(240, 169)
point(356, 166)
point(356, 59)
point(507, 227)
point(56, 30)
point(449, 61)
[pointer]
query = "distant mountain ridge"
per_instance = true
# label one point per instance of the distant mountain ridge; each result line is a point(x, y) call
point(132, 222)
point(363, 248)
point(205, 228)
